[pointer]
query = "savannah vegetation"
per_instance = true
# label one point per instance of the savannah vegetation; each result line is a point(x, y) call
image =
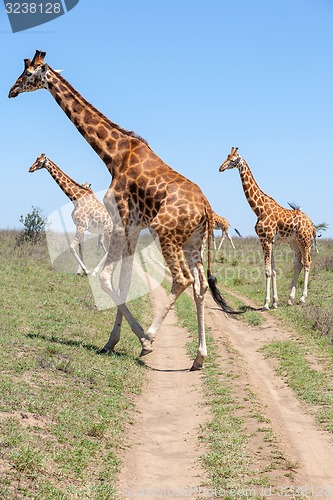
point(64, 409)
point(306, 360)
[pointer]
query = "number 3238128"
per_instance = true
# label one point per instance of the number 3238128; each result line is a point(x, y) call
point(33, 8)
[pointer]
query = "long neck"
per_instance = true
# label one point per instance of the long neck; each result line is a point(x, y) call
point(256, 198)
point(71, 188)
point(104, 136)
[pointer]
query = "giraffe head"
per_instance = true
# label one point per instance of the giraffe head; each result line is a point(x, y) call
point(33, 76)
point(87, 186)
point(41, 162)
point(234, 160)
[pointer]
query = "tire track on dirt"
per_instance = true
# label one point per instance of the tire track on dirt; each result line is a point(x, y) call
point(302, 441)
point(163, 454)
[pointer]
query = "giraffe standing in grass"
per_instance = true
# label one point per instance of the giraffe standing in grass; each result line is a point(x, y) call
point(144, 192)
point(275, 222)
point(221, 224)
point(89, 213)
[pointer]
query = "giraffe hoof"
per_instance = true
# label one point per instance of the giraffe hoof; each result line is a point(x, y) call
point(145, 351)
point(103, 351)
point(195, 368)
point(147, 346)
point(264, 308)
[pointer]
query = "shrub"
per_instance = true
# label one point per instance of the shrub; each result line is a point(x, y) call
point(34, 226)
point(321, 319)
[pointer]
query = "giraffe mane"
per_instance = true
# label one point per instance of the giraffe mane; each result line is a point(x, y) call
point(294, 205)
point(130, 133)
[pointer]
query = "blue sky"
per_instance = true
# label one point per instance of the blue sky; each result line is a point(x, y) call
point(194, 78)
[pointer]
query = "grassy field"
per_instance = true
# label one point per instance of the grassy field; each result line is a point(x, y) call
point(242, 270)
point(63, 407)
point(306, 361)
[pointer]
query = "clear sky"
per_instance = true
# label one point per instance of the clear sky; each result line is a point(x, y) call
point(194, 78)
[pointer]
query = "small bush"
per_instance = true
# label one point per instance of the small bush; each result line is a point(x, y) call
point(321, 320)
point(34, 226)
point(325, 263)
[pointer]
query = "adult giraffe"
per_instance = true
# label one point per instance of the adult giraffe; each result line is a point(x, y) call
point(275, 222)
point(89, 213)
point(144, 192)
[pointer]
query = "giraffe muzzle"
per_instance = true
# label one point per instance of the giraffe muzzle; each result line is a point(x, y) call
point(14, 92)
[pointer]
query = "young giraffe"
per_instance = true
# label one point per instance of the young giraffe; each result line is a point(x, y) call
point(221, 224)
point(275, 222)
point(144, 192)
point(89, 213)
point(100, 244)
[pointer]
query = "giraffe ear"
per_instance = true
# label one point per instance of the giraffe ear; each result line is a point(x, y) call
point(27, 63)
point(58, 70)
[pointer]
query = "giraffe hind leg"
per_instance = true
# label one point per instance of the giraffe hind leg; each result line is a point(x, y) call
point(230, 239)
point(181, 279)
point(306, 260)
point(297, 269)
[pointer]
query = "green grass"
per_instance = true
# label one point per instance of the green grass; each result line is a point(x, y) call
point(306, 360)
point(63, 407)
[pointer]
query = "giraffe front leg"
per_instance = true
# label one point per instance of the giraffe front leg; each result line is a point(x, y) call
point(118, 251)
point(267, 249)
point(107, 285)
point(78, 240)
point(274, 285)
point(114, 335)
point(200, 286)
point(99, 265)
point(230, 239)
point(222, 239)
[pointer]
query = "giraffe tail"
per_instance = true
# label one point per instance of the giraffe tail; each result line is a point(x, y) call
point(212, 279)
point(236, 230)
point(218, 297)
point(314, 237)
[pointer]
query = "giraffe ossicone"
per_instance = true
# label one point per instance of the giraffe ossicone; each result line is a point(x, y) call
point(275, 222)
point(147, 193)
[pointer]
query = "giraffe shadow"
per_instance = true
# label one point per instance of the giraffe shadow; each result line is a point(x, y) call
point(68, 342)
point(89, 347)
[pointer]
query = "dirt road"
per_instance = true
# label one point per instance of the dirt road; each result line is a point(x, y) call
point(163, 457)
point(164, 451)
